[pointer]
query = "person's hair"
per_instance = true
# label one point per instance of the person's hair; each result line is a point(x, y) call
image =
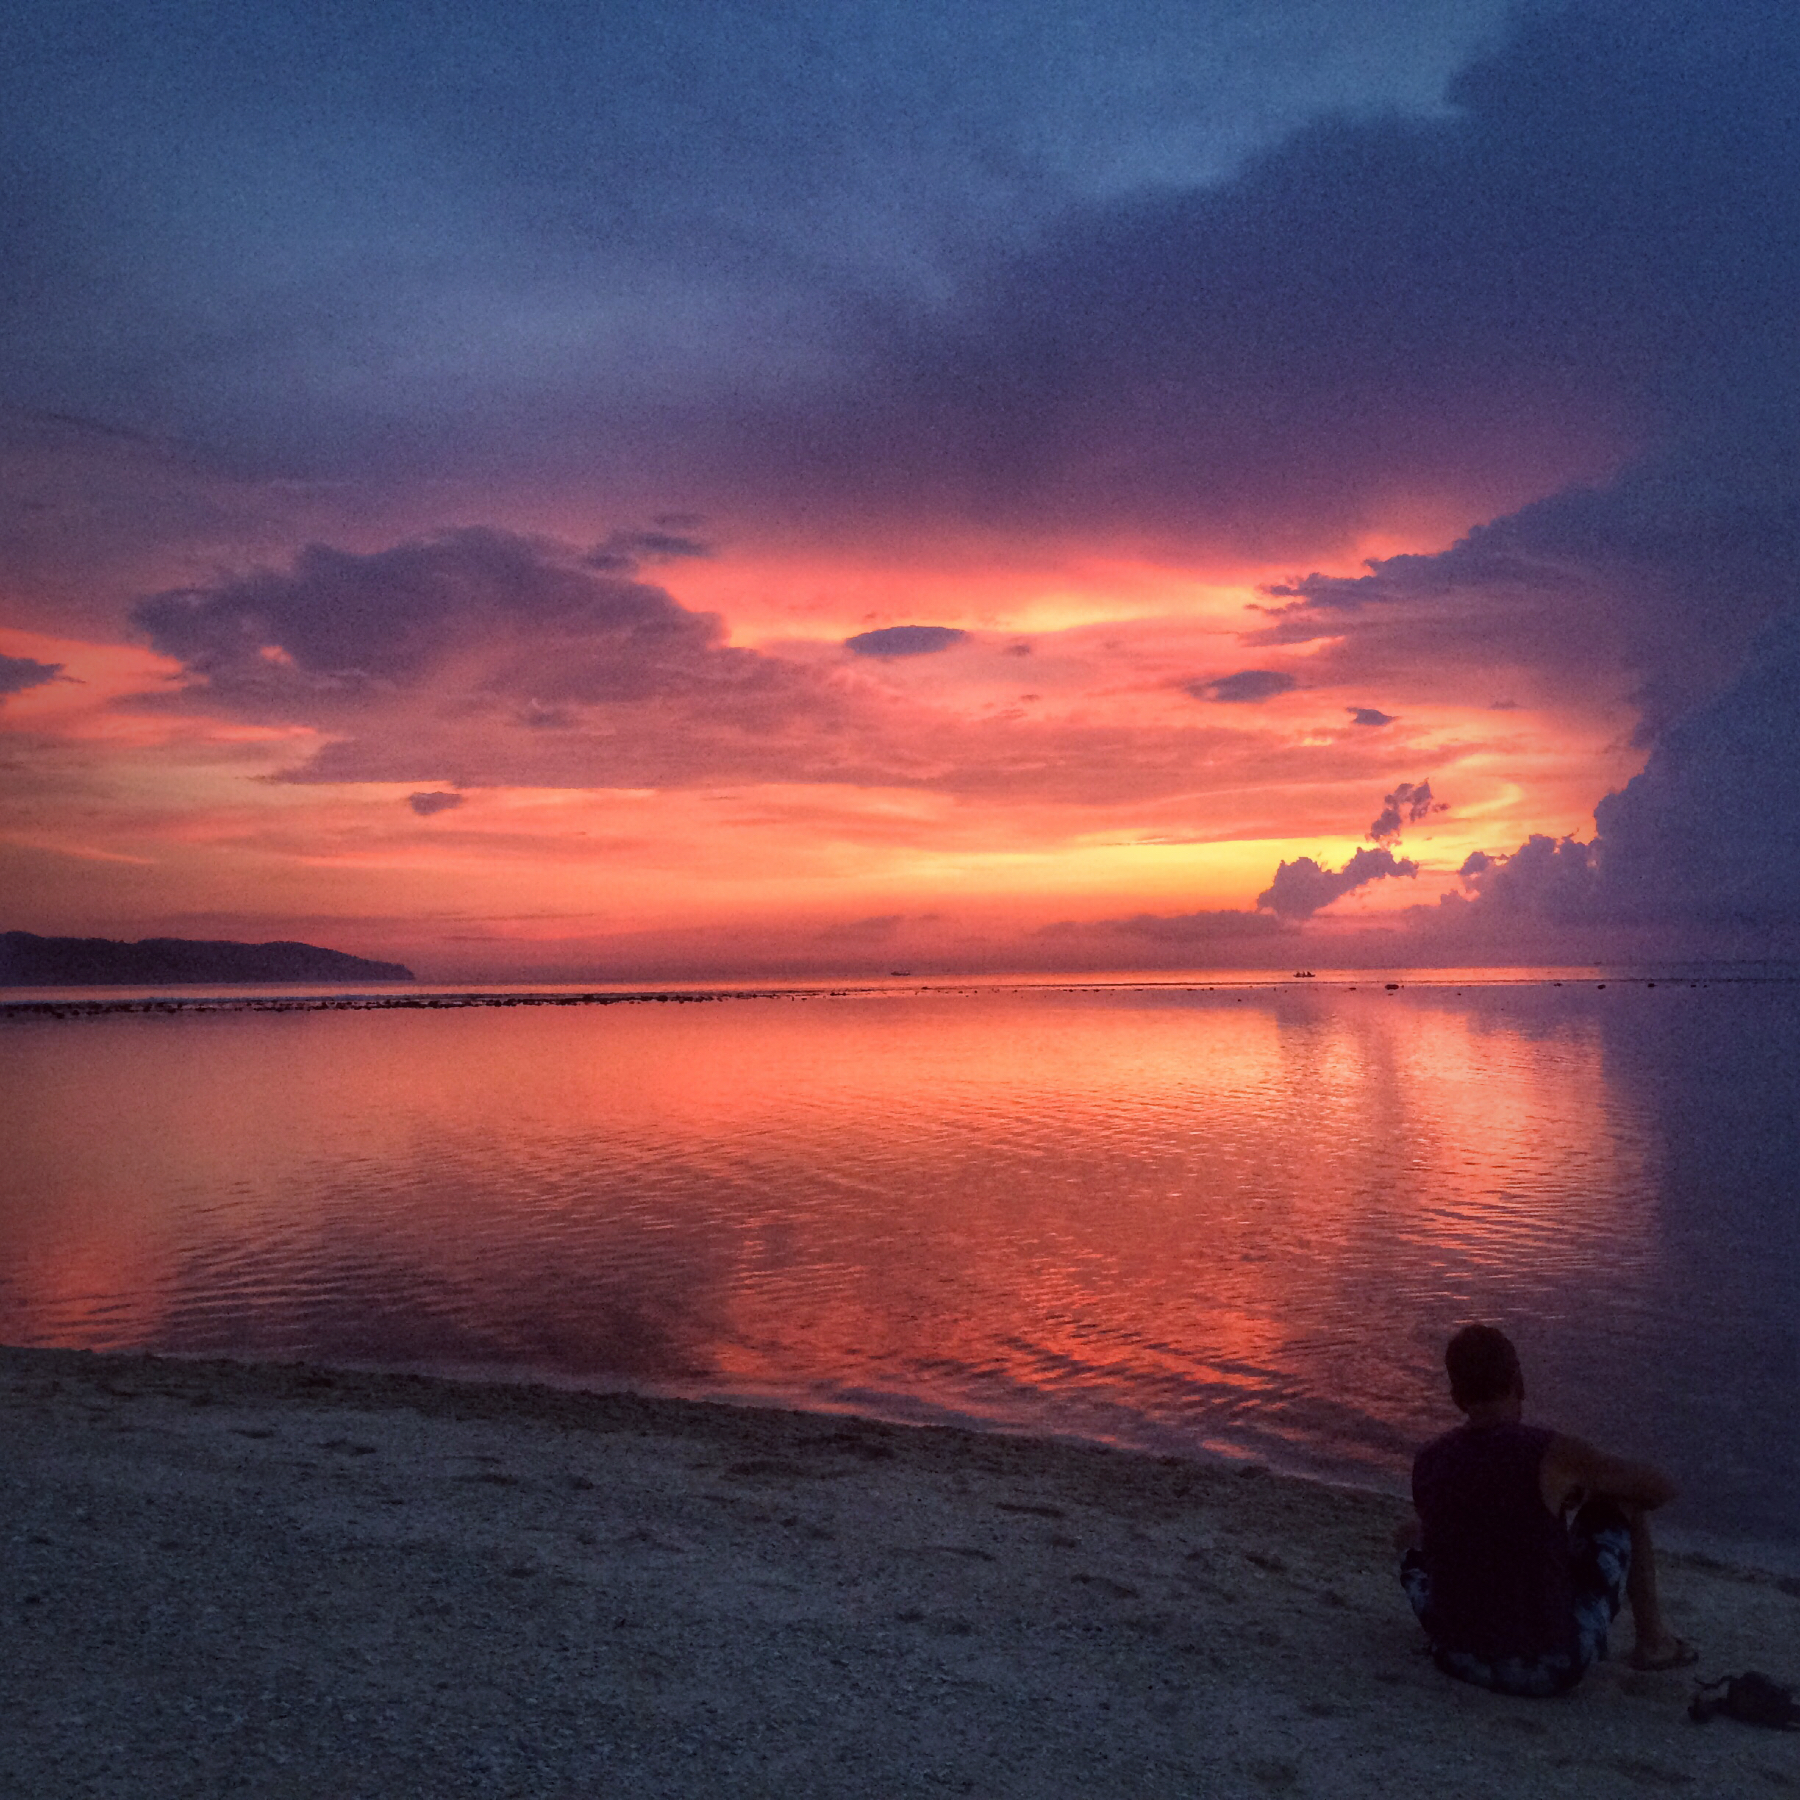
point(1482, 1365)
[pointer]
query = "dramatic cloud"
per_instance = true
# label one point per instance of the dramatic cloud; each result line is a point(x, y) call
point(904, 640)
point(400, 243)
point(1587, 248)
point(1698, 856)
point(479, 657)
point(1302, 887)
point(1248, 687)
point(1663, 576)
point(1711, 829)
point(1552, 878)
point(425, 805)
point(1064, 324)
point(1707, 837)
point(17, 673)
point(1101, 322)
point(340, 625)
point(1408, 804)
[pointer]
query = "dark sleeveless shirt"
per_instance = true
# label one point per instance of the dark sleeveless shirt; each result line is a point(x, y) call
point(1497, 1558)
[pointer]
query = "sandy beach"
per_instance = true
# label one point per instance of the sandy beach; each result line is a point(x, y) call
point(283, 1581)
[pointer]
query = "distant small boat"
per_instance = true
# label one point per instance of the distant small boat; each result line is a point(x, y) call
point(1304, 975)
point(900, 974)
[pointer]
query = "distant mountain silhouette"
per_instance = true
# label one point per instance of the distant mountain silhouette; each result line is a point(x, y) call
point(28, 961)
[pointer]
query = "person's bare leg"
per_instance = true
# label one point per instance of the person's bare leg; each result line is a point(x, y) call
point(1655, 1641)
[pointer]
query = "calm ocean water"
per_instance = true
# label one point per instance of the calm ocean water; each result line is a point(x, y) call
point(1241, 1219)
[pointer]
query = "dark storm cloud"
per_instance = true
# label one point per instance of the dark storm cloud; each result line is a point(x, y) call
point(1248, 687)
point(1013, 264)
point(1552, 878)
point(1303, 887)
point(414, 232)
point(1585, 252)
point(1711, 828)
point(1654, 133)
point(904, 640)
point(17, 673)
point(1666, 572)
point(1707, 837)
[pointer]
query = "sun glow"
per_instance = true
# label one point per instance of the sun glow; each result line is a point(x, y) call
point(1072, 760)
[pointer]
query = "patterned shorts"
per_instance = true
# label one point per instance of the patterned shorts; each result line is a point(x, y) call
point(1599, 1561)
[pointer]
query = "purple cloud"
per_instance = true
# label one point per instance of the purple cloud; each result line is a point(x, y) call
point(1706, 838)
point(1302, 887)
point(1369, 715)
point(17, 673)
point(1408, 804)
point(625, 552)
point(425, 805)
point(1552, 879)
point(1248, 687)
point(479, 657)
point(904, 640)
point(340, 623)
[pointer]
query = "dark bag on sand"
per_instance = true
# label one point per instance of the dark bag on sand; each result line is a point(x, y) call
point(1751, 1697)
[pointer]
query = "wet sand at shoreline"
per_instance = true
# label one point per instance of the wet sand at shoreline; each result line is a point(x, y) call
point(274, 1580)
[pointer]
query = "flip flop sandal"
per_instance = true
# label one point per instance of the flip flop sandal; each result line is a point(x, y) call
point(1751, 1697)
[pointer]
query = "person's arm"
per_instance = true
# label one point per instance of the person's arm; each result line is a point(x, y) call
point(1572, 1470)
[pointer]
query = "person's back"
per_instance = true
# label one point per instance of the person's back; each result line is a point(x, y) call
point(1499, 1559)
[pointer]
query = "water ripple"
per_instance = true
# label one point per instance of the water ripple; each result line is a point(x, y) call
point(1243, 1221)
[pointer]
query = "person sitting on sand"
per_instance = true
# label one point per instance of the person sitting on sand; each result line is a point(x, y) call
point(1525, 1539)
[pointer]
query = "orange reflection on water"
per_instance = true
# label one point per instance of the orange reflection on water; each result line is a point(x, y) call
point(1185, 1200)
point(1155, 1217)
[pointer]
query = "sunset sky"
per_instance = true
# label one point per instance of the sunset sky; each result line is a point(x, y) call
point(772, 488)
